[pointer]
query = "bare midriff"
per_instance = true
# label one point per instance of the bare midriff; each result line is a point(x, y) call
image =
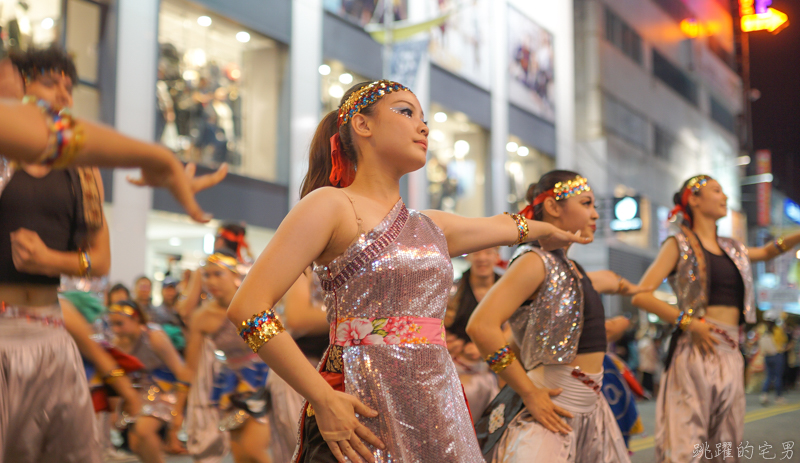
point(28, 295)
point(726, 314)
point(589, 363)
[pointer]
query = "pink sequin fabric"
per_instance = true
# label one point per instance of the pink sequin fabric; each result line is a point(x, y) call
point(402, 268)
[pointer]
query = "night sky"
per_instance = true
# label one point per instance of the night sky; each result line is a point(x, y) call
point(775, 72)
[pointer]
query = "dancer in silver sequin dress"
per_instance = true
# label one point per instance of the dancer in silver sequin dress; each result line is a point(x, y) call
point(386, 273)
point(701, 401)
point(558, 413)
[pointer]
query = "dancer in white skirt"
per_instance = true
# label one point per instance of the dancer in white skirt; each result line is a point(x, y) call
point(552, 409)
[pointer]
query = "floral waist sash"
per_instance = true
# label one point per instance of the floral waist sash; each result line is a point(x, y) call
point(388, 331)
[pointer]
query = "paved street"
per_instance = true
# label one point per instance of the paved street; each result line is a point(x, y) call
point(772, 424)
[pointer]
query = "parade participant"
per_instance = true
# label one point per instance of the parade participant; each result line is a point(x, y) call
point(164, 374)
point(52, 224)
point(558, 321)
point(386, 275)
point(480, 383)
point(237, 389)
point(701, 400)
point(28, 132)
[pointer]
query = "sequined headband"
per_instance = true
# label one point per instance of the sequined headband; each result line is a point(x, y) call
point(223, 261)
point(694, 185)
point(366, 96)
point(123, 309)
point(564, 190)
point(342, 171)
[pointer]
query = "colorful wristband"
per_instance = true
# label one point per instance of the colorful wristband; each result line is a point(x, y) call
point(260, 329)
point(501, 359)
point(522, 228)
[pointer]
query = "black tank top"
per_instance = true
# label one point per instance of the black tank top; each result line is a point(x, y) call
point(725, 284)
point(45, 205)
point(593, 336)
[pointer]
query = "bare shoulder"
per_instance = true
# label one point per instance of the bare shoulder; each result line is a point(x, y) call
point(325, 200)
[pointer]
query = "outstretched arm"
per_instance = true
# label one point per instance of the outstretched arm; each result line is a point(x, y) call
point(772, 250)
point(465, 235)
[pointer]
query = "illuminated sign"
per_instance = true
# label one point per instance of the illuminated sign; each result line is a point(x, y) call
point(792, 210)
point(627, 216)
point(690, 27)
point(758, 16)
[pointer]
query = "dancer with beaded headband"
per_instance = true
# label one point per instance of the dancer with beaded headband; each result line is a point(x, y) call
point(552, 408)
point(701, 400)
point(386, 275)
point(230, 397)
point(52, 224)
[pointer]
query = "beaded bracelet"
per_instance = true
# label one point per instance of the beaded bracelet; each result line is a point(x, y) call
point(522, 228)
point(501, 359)
point(65, 134)
point(85, 263)
point(683, 321)
point(781, 245)
point(260, 328)
point(113, 375)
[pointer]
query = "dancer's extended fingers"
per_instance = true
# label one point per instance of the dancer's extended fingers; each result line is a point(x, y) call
point(337, 453)
point(348, 450)
point(208, 180)
point(182, 192)
point(561, 411)
point(362, 449)
point(135, 181)
point(364, 433)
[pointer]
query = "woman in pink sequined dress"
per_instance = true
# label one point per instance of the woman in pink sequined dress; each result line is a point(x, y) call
point(386, 274)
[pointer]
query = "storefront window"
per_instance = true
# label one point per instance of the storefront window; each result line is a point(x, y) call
point(457, 160)
point(525, 165)
point(218, 90)
point(336, 80)
point(175, 244)
point(26, 24)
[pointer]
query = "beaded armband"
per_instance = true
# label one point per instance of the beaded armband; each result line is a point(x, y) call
point(522, 228)
point(65, 135)
point(501, 359)
point(259, 329)
point(781, 245)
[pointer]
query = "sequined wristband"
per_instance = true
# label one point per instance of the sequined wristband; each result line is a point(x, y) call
point(522, 228)
point(65, 135)
point(781, 245)
point(683, 321)
point(501, 359)
point(259, 329)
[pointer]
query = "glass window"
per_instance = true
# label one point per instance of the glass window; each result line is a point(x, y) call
point(622, 36)
point(218, 90)
point(525, 165)
point(336, 80)
point(27, 24)
point(457, 161)
point(84, 21)
point(176, 243)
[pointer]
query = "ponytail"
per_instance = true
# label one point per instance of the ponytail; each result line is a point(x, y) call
point(319, 159)
point(320, 164)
